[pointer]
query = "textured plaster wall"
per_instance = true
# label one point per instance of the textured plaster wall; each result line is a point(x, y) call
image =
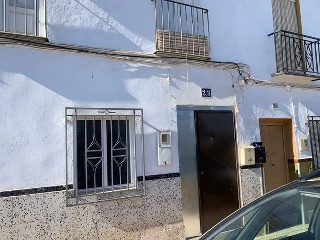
point(309, 9)
point(237, 33)
point(255, 102)
point(38, 90)
point(45, 216)
point(109, 24)
point(36, 85)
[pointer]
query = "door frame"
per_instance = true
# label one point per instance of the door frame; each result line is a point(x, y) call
point(188, 167)
point(288, 138)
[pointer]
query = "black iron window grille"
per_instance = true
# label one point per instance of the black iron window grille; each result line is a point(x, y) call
point(297, 54)
point(104, 149)
point(182, 30)
point(314, 132)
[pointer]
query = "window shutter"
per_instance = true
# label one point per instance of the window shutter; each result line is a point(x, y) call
point(285, 15)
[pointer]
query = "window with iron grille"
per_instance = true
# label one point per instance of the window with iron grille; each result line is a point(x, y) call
point(24, 17)
point(107, 147)
point(182, 30)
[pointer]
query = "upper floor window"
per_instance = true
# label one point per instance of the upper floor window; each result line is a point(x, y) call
point(182, 30)
point(22, 17)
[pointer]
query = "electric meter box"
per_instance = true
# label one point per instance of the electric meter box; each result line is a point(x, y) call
point(247, 155)
point(164, 148)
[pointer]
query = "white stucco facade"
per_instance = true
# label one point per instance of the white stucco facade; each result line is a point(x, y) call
point(37, 84)
point(39, 98)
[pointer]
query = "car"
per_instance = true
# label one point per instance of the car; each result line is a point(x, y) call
point(290, 212)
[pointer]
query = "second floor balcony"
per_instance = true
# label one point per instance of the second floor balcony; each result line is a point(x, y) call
point(182, 30)
point(297, 54)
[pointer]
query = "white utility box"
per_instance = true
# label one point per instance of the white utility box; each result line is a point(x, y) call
point(247, 155)
point(164, 148)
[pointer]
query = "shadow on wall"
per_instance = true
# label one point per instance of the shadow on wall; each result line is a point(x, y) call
point(108, 24)
point(80, 78)
point(91, 79)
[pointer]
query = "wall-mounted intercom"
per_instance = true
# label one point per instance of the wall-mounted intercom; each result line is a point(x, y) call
point(247, 155)
point(164, 147)
point(260, 152)
point(254, 154)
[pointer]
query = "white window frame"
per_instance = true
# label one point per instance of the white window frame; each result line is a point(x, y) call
point(32, 21)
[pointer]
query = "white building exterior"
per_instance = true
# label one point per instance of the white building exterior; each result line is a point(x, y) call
point(100, 56)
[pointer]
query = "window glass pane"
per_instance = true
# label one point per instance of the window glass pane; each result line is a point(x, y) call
point(30, 24)
point(1, 16)
point(236, 225)
point(284, 215)
point(89, 154)
point(17, 20)
point(291, 218)
point(118, 155)
point(29, 4)
point(21, 17)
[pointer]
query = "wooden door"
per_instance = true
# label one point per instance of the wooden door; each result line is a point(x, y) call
point(218, 186)
point(275, 168)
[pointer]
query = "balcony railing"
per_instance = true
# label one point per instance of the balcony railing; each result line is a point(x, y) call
point(182, 30)
point(297, 54)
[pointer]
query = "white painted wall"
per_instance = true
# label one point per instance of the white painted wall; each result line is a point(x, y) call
point(238, 29)
point(36, 85)
point(255, 102)
point(239, 33)
point(36, 92)
point(309, 17)
point(126, 24)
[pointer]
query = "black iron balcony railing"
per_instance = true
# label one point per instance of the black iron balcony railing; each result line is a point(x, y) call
point(182, 30)
point(297, 54)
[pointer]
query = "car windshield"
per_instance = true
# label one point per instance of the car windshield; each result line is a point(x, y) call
point(289, 214)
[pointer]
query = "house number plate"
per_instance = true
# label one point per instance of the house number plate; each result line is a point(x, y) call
point(206, 92)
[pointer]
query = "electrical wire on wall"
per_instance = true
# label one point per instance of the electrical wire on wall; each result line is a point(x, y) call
point(243, 69)
point(40, 43)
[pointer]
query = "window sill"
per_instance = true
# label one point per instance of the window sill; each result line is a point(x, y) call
point(16, 36)
point(106, 190)
point(94, 197)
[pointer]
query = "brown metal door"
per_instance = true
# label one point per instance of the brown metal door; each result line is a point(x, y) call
point(275, 168)
point(216, 166)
